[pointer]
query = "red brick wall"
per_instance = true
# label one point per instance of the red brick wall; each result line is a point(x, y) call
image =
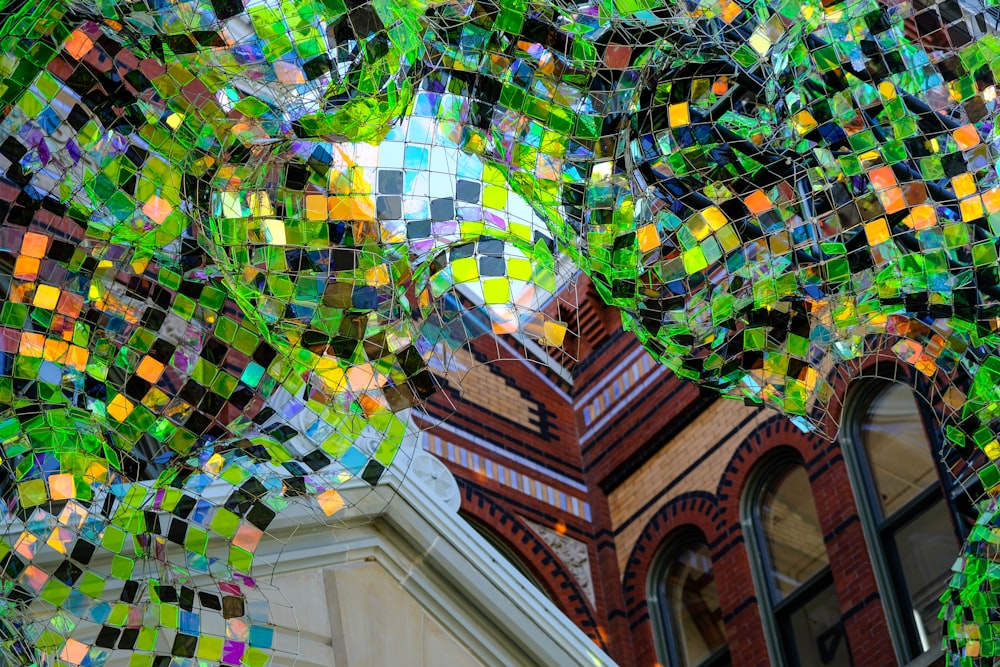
point(542, 424)
point(853, 577)
point(506, 400)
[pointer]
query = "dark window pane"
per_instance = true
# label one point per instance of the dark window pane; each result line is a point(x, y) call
point(695, 615)
point(792, 533)
point(897, 449)
point(927, 545)
point(817, 631)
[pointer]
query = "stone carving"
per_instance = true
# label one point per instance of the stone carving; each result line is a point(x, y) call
point(573, 553)
point(434, 478)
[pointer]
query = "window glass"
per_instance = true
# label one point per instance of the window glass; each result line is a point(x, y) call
point(799, 606)
point(817, 631)
point(695, 614)
point(792, 532)
point(926, 548)
point(905, 496)
point(895, 443)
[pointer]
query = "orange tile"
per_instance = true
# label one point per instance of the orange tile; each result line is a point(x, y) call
point(882, 178)
point(157, 209)
point(55, 350)
point(33, 245)
point(991, 199)
point(78, 45)
point(892, 199)
point(70, 304)
point(31, 344)
point(921, 217)
point(26, 268)
point(316, 207)
point(120, 407)
point(647, 238)
point(758, 202)
point(62, 487)
point(877, 231)
point(340, 208)
point(149, 369)
point(966, 136)
point(76, 357)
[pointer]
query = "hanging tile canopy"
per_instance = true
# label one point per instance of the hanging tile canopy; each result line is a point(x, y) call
point(234, 232)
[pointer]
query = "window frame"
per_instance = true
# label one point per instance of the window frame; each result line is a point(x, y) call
point(878, 529)
point(773, 615)
point(658, 601)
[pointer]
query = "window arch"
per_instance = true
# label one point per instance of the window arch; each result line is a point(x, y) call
point(915, 514)
point(507, 552)
point(791, 570)
point(684, 604)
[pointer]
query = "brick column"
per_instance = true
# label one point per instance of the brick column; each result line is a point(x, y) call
point(853, 576)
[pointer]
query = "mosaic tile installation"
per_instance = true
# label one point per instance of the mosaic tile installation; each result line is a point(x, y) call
point(232, 233)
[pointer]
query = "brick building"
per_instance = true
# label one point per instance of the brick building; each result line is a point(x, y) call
point(677, 528)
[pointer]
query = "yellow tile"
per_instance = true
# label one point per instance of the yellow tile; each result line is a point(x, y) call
point(274, 232)
point(519, 269)
point(316, 207)
point(554, 333)
point(680, 114)
point(120, 407)
point(496, 290)
point(877, 231)
point(972, 208)
point(804, 122)
point(46, 296)
point(714, 217)
point(465, 269)
point(964, 185)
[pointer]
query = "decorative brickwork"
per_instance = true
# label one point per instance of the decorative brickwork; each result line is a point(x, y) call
point(853, 577)
point(692, 461)
point(506, 475)
point(540, 559)
point(696, 508)
point(629, 455)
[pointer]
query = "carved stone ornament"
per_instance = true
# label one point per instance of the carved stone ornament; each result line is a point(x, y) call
point(573, 553)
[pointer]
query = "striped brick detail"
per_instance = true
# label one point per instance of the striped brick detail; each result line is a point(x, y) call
point(617, 388)
point(510, 478)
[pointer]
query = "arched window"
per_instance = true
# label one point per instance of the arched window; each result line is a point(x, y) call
point(506, 551)
point(684, 605)
point(914, 512)
point(798, 605)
